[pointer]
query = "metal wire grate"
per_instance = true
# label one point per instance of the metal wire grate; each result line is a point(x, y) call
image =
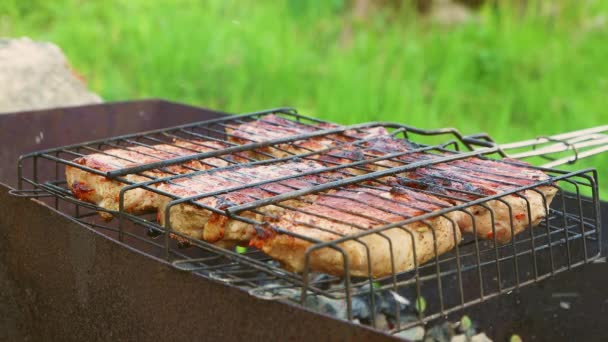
point(474, 270)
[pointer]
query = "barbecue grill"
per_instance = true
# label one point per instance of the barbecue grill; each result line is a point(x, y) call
point(474, 272)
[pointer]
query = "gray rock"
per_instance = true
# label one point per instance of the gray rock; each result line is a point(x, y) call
point(36, 75)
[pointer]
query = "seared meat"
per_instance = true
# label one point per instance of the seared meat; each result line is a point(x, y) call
point(328, 216)
point(323, 217)
point(356, 209)
point(104, 192)
point(272, 127)
point(470, 179)
point(203, 223)
point(460, 181)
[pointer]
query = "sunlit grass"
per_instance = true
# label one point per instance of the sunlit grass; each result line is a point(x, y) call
point(511, 76)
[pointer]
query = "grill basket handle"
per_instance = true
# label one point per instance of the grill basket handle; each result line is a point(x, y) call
point(578, 144)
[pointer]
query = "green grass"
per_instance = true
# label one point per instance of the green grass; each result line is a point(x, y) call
point(511, 76)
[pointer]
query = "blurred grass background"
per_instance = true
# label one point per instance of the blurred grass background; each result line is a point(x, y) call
point(516, 70)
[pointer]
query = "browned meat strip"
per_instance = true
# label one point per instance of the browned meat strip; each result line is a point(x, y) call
point(341, 213)
point(441, 185)
point(461, 181)
point(356, 209)
point(207, 225)
point(104, 192)
point(274, 127)
point(469, 179)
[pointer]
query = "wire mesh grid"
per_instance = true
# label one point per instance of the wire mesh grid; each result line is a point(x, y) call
point(467, 272)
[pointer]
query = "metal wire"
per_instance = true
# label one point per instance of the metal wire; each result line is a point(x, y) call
point(580, 144)
point(403, 187)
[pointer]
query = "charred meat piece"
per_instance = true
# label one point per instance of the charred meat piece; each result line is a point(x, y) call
point(272, 127)
point(202, 222)
point(353, 210)
point(104, 192)
point(461, 181)
point(464, 180)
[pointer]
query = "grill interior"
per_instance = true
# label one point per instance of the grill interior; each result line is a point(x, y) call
point(473, 271)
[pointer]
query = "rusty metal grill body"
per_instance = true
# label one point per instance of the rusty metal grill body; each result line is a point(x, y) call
point(474, 271)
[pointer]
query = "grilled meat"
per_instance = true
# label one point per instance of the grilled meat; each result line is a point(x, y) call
point(203, 222)
point(272, 127)
point(337, 214)
point(105, 192)
point(469, 179)
point(458, 182)
point(327, 216)
point(357, 209)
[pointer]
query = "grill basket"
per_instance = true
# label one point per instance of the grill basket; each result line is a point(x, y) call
point(474, 271)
